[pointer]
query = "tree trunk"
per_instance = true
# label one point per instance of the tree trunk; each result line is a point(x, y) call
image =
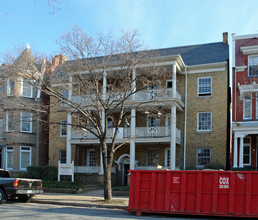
point(107, 183)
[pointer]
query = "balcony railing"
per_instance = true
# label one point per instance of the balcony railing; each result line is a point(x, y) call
point(144, 95)
point(141, 132)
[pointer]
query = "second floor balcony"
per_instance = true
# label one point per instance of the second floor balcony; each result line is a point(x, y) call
point(143, 134)
point(140, 96)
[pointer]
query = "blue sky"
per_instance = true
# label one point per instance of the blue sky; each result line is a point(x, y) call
point(160, 23)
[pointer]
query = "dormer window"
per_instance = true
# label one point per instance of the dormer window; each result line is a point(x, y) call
point(253, 65)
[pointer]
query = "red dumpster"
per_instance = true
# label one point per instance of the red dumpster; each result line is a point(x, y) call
point(220, 193)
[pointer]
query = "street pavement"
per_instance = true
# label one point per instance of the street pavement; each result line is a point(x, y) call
point(93, 198)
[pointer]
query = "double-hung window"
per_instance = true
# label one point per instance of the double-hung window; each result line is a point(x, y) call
point(10, 123)
point(10, 87)
point(25, 157)
point(91, 157)
point(63, 128)
point(9, 158)
point(27, 89)
point(203, 157)
point(204, 86)
point(247, 106)
point(152, 157)
point(26, 122)
point(253, 65)
point(204, 121)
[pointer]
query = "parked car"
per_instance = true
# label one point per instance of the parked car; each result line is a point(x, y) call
point(20, 188)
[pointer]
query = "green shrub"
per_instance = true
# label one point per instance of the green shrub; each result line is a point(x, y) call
point(63, 184)
point(45, 173)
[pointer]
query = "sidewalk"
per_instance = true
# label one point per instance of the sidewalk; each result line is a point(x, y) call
point(88, 199)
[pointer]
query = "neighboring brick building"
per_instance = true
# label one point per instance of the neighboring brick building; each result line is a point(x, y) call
point(23, 141)
point(198, 79)
point(245, 101)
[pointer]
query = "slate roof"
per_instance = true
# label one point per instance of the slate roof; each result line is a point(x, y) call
point(191, 55)
point(199, 54)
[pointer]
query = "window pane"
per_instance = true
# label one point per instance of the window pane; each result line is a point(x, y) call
point(26, 122)
point(62, 156)
point(204, 121)
point(253, 65)
point(10, 87)
point(63, 128)
point(204, 85)
point(152, 157)
point(10, 121)
point(26, 88)
point(203, 156)
point(9, 158)
point(91, 157)
point(25, 160)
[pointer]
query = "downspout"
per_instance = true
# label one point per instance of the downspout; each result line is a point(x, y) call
point(185, 116)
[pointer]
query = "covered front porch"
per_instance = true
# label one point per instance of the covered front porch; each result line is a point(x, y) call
point(245, 144)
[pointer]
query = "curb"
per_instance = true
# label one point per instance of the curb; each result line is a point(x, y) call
point(81, 204)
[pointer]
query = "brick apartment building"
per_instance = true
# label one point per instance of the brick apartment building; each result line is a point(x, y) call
point(23, 137)
point(198, 86)
point(245, 101)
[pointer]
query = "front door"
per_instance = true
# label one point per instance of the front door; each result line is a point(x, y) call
point(125, 174)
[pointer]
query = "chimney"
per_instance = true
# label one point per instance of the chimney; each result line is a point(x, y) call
point(58, 59)
point(225, 37)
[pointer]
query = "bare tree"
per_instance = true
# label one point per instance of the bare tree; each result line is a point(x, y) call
point(104, 80)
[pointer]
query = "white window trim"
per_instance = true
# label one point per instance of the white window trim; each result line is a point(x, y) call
point(61, 125)
point(6, 125)
point(88, 156)
point(244, 101)
point(6, 160)
point(250, 146)
point(8, 88)
point(198, 94)
point(250, 56)
point(25, 151)
point(197, 165)
point(198, 122)
point(30, 131)
point(31, 90)
point(166, 156)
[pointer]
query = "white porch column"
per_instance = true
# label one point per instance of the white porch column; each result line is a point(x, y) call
point(133, 125)
point(241, 152)
point(69, 127)
point(173, 123)
point(68, 138)
point(132, 141)
point(235, 152)
point(104, 92)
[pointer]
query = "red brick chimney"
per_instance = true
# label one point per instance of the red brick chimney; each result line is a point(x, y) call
point(58, 59)
point(225, 37)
